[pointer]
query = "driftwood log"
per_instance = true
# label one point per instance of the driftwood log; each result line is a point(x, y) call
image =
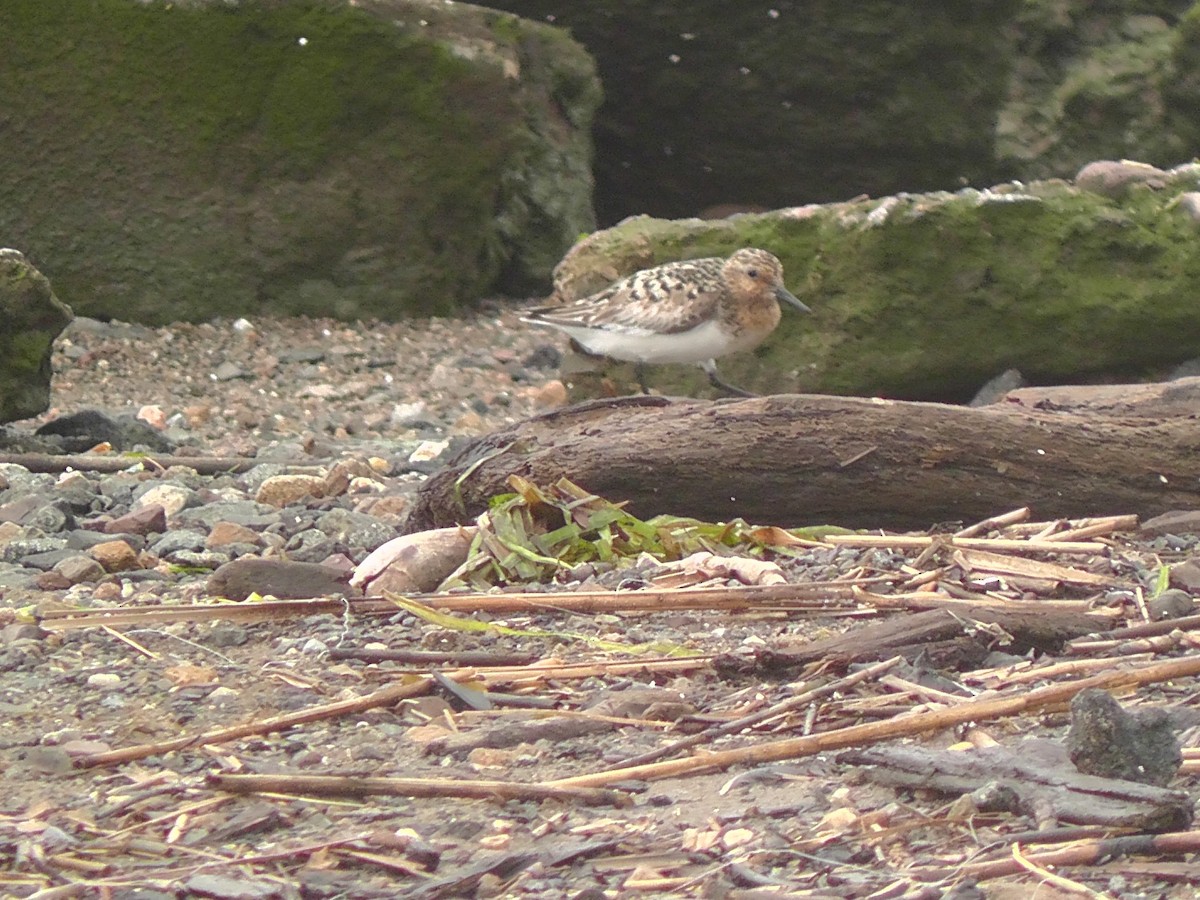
point(947, 639)
point(1033, 777)
point(796, 459)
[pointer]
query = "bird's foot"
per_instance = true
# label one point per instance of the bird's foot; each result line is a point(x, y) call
point(715, 379)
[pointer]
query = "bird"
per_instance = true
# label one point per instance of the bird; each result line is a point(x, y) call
point(690, 311)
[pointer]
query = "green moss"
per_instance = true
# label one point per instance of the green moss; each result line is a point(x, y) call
point(946, 292)
point(228, 156)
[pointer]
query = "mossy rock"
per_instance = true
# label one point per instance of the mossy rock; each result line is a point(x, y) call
point(183, 160)
point(711, 102)
point(33, 318)
point(927, 296)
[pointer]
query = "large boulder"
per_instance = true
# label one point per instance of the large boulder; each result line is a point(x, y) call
point(356, 158)
point(927, 296)
point(31, 317)
point(710, 102)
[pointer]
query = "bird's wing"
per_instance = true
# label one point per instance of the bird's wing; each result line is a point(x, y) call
point(665, 300)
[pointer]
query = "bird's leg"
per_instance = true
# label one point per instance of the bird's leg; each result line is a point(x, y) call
point(639, 372)
point(714, 378)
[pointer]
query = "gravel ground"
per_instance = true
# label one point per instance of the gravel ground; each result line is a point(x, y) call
point(236, 387)
point(383, 400)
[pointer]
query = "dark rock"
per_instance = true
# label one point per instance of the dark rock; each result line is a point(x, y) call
point(32, 317)
point(151, 518)
point(48, 559)
point(1107, 741)
point(1170, 604)
point(356, 531)
point(228, 371)
point(82, 539)
point(19, 510)
point(1181, 521)
point(52, 580)
point(226, 634)
point(310, 546)
point(544, 356)
point(83, 430)
point(1186, 576)
point(303, 355)
point(716, 103)
point(77, 569)
point(224, 887)
point(21, 631)
point(176, 540)
point(49, 760)
point(284, 579)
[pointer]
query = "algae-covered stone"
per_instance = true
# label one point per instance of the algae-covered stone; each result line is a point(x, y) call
point(714, 102)
point(1100, 80)
point(182, 160)
point(31, 318)
point(927, 296)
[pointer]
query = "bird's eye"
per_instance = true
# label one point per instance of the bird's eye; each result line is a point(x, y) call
point(753, 273)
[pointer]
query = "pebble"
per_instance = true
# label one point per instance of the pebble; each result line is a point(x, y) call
point(336, 467)
point(105, 680)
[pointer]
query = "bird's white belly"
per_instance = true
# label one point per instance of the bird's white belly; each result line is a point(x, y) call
point(706, 341)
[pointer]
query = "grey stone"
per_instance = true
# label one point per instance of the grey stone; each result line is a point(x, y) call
point(198, 559)
point(32, 317)
point(80, 431)
point(355, 530)
point(244, 512)
point(310, 546)
point(23, 549)
point(51, 760)
point(1186, 576)
point(178, 539)
point(16, 577)
point(226, 634)
point(77, 569)
point(1107, 741)
point(1170, 604)
point(1180, 521)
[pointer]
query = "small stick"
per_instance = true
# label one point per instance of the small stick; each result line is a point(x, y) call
point(92, 462)
point(434, 657)
point(995, 522)
point(770, 712)
point(1059, 881)
point(921, 541)
point(820, 595)
point(1003, 564)
point(358, 786)
point(1094, 527)
point(385, 696)
point(1050, 672)
point(145, 651)
point(902, 726)
point(924, 600)
point(928, 694)
point(1118, 636)
point(188, 809)
point(1082, 853)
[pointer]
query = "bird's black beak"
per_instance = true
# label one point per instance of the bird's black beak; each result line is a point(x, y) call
point(791, 299)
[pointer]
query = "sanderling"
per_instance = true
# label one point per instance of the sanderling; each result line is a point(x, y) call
point(690, 311)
